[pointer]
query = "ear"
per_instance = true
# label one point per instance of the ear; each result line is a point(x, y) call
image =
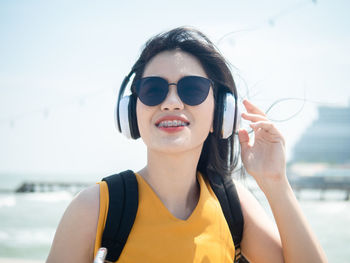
point(211, 126)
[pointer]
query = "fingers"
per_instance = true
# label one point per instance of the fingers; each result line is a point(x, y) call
point(244, 140)
point(101, 255)
point(265, 125)
point(269, 128)
point(254, 117)
point(253, 113)
point(251, 108)
point(243, 136)
point(259, 123)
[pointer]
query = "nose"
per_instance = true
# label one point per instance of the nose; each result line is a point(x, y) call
point(172, 101)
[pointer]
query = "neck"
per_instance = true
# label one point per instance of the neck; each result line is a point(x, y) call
point(173, 178)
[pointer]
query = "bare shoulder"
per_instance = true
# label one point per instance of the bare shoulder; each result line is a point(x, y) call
point(75, 235)
point(88, 200)
point(261, 241)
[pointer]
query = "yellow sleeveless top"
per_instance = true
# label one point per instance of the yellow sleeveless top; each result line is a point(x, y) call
point(158, 236)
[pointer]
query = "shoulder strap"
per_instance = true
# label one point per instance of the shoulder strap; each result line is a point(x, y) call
point(226, 192)
point(123, 204)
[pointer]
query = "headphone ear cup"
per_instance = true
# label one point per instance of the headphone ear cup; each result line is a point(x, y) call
point(134, 129)
point(229, 115)
point(127, 117)
point(123, 117)
point(217, 123)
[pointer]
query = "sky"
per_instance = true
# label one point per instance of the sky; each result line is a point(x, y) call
point(62, 63)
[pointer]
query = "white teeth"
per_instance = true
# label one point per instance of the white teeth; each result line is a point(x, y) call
point(174, 123)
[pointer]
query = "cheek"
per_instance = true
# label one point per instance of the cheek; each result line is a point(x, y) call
point(205, 115)
point(208, 111)
point(144, 115)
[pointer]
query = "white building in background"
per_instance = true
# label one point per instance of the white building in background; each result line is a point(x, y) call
point(327, 140)
point(324, 148)
point(321, 158)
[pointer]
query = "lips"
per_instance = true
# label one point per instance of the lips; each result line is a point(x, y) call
point(172, 121)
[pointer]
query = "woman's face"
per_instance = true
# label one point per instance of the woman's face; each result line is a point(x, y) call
point(172, 66)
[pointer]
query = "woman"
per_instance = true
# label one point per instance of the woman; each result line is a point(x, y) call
point(185, 140)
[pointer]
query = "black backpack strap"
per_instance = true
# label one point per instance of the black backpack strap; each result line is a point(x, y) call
point(226, 192)
point(123, 204)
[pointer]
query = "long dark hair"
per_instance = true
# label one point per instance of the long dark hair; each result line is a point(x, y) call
point(218, 155)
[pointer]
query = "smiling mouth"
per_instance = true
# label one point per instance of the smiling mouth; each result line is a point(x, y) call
point(172, 124)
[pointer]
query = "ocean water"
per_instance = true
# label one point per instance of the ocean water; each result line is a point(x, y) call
point(28, 222)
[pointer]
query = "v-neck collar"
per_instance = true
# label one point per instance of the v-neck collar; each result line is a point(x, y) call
point(160, 204)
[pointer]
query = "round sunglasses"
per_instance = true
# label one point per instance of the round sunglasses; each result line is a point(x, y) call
point(192, 90)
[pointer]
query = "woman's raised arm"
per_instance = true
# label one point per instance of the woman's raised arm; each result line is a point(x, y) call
point(264, 159)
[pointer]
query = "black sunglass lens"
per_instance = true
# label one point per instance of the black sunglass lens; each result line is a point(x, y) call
point(193, 90)
point(151, 90)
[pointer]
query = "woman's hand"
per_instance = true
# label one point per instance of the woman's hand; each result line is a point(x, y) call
point(264, 158)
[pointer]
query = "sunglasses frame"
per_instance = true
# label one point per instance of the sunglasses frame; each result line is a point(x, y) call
point(165, 94)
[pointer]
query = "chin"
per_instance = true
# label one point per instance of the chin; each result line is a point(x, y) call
point(176, 147)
